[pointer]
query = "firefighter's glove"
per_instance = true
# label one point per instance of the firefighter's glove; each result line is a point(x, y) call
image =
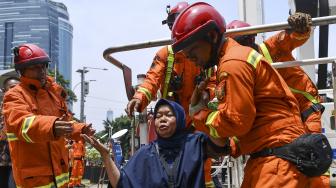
point(300, 22)
point(199, 98)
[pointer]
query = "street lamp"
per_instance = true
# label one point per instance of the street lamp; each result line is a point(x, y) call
point(84, 88)
point(73, 89)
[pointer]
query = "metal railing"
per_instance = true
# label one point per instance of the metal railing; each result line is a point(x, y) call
point(324, 60)
point(127, 73)
point(239, 31)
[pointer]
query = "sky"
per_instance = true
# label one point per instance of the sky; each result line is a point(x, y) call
point(100, 24)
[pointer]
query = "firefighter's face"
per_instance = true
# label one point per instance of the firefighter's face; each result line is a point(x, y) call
point(37, 72)
point(10, 84)
point(199, 52)
point(165, 122)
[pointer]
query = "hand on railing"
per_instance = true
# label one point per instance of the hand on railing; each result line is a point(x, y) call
point(300, 22)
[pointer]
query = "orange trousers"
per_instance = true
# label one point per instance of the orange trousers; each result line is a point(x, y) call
point(76, 173)
point(273, 172)
point(207, 174)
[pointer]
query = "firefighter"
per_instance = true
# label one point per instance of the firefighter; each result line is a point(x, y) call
point(255, 104)
point(5, 162)
point(174, 75)
point(37, 122)
point(78, 150)
point(278, 48)
point(171, 74)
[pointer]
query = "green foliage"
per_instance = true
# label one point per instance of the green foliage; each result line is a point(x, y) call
point(122, 122)
point(65, 84)
point(93, 156)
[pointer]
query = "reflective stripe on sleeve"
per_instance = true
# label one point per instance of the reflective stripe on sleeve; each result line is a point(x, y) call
point(211, 117)
point(210, 184)
point(62, 179)
point(50, 185)
point(25, 127)
point(254, 58)
point(11, 137)
point(146, 92)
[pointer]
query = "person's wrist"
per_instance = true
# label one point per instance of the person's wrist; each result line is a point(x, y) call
point(105, 156)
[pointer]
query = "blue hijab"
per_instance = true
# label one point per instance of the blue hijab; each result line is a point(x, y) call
point(145, 168)
point(170, 147)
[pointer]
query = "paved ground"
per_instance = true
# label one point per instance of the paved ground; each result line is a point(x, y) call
point(87, 184)
point(96, 186)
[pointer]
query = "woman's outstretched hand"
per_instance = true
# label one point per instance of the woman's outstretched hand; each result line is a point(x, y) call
point(104, 151)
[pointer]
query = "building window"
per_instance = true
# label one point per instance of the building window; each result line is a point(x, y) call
point(9, 34)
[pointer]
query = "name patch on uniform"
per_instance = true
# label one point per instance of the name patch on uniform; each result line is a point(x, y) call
point(220, 88)
point(220, 92)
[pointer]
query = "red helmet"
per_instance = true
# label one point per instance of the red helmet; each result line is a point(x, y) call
point(29, 54)
point(174, 12)
point(246, 40)
point(237, 24)
point(194, 23)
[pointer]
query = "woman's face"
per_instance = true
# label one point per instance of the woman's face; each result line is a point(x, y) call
point(165, 122)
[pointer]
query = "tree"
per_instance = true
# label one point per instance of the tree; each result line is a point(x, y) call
point(122, 122)
point(65, 84)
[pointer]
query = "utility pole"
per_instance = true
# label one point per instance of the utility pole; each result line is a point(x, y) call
point(82, 100)
point(85, 89)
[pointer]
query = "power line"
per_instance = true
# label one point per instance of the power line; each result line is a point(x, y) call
point(103, 108)
point(105, 99)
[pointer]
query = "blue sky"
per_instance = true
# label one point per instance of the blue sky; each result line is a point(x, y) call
point(106, 23)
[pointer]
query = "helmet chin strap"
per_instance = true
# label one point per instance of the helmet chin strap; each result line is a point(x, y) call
point(215, 49)
point(255, 47)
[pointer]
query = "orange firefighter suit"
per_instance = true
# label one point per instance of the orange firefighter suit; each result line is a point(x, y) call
point(256, 106)
point(279, 48)
point(180, 86)
point(38, 157)
point(78, 150)
point(183, 75)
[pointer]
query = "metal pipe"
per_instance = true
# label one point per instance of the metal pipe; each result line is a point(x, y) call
point(334, 88)
point(277, 26)
point(127, 73)
point(304, 62)
point(325, 91)
point(133, 122)
point(239, 31)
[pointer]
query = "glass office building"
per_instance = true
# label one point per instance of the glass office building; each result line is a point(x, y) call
point(42, 22)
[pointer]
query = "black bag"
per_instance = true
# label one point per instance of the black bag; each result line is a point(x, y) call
point(311, 153)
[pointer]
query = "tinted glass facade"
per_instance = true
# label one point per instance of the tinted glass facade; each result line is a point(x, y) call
point(42, 22)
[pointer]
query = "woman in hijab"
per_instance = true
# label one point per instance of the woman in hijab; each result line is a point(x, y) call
point(174, 159)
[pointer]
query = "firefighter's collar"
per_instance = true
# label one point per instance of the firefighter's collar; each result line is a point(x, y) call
point(35, 84)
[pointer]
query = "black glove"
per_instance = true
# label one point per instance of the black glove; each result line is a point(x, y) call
point(300, 22)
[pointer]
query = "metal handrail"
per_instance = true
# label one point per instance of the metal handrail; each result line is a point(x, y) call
point(325, 91)
point(305, 62)
point(127, 73)
point(238, 31)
